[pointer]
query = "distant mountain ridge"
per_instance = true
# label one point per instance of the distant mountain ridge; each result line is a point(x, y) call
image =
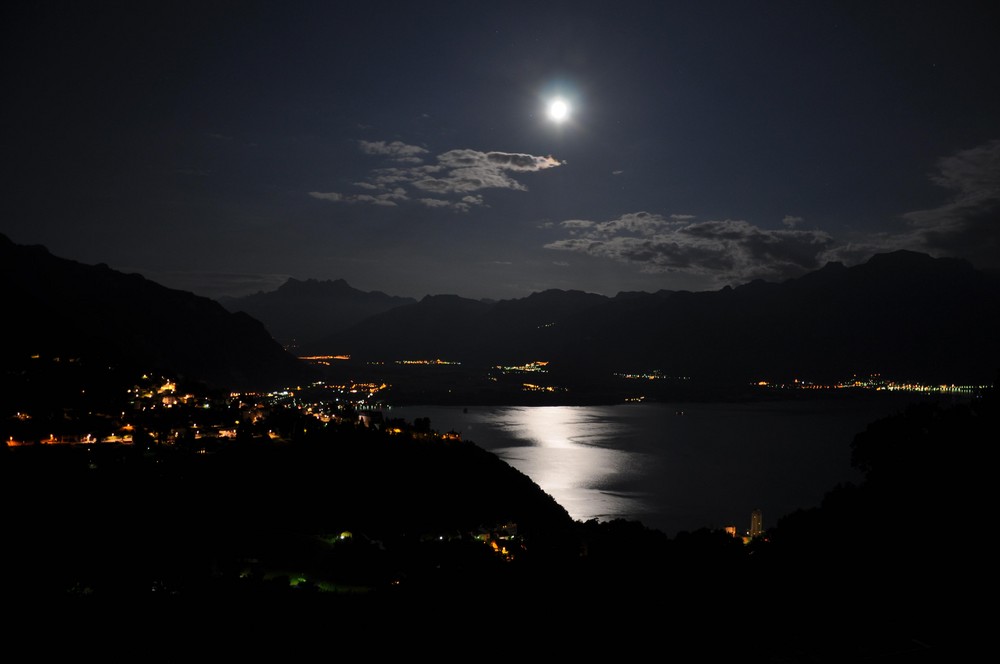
point(903, 313)
point(55, 307)
point(300, 312)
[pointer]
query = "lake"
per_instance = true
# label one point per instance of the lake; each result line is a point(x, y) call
point(679, 466)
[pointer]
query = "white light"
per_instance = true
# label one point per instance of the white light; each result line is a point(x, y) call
point(558, 110)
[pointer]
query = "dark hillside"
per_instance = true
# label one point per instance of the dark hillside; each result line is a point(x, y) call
point(64, 309)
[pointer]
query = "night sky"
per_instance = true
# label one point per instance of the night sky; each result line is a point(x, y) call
point(223, 147)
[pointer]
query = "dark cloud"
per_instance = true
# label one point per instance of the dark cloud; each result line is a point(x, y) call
point(968, 224)
point(864, 247)
point(723, 252)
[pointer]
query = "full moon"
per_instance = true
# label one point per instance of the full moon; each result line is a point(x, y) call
point(558, 110)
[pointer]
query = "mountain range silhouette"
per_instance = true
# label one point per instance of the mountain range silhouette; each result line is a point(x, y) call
point(904, 314)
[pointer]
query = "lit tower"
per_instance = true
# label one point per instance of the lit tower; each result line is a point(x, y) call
point(756, 523)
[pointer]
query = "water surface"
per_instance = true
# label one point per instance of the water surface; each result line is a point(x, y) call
point(674, 466)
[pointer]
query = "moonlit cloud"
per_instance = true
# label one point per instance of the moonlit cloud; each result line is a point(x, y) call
point(470, 170)
point(434, 202)
point(519, 162)
point(968, 224)
point(451, 181)
point(725, 252)
point(792, 221)
point(383, 177)
point(387, 198)
point(396, 150)
point(327, 195)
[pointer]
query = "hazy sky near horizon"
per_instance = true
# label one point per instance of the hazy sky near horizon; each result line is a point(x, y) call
point(223, 147)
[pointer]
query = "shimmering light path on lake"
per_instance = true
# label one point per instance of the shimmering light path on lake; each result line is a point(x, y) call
point(674, 466)
point(568, 454)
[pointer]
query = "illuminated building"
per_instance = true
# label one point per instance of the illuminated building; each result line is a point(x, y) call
point(756, 523)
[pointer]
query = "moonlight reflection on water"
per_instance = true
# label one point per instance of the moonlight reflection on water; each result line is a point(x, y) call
point(674, 467)
point(568, 456)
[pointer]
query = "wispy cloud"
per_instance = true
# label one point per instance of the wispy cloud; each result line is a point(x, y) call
point(448, 183)
point(725, 252)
